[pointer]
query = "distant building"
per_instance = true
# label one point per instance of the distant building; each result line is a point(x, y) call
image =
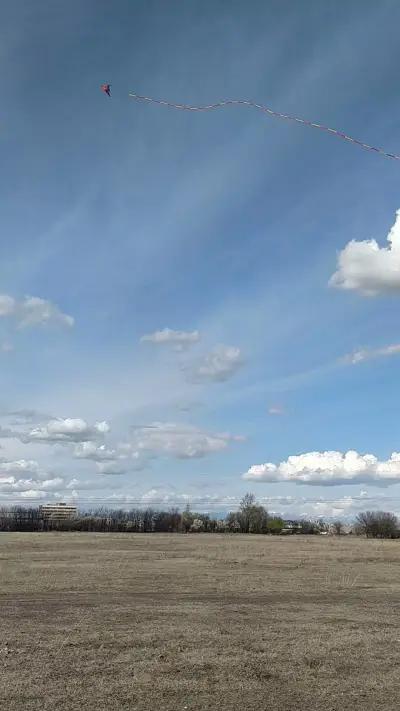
point(58, 512)
point(291, 527)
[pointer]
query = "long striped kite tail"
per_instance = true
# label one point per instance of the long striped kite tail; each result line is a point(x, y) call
point(266, 110)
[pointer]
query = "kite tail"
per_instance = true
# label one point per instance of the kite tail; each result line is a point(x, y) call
point(266, 110)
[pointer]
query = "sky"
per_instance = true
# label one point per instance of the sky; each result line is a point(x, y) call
point(193, 306)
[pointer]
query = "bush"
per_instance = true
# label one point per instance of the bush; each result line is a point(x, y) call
point(275, 525)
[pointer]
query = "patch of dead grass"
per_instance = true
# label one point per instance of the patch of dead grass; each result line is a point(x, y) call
point(111, 621)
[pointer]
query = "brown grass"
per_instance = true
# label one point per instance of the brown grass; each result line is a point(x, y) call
point(110, 621)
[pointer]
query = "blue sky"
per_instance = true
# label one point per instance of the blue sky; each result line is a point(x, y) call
point(131, 219)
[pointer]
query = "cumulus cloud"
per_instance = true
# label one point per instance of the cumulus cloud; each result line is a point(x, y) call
point(28, 488)
point(20, 466)
point(168, 337)
point(33, 311)
point(180, 441)
point(24, 479)
point(81, 484)
point(371, 354)
point(291, 507)
point(124, 463)
point(329, 469)
point(217, 366)
point(95, 452)
point(368, 268)
point(342, 507)
point(67, 430)
point(120, 459)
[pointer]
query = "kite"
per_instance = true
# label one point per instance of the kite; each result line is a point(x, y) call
point(106, 88)
point(266, 110)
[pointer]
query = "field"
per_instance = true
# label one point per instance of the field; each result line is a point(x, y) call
point(114, 621)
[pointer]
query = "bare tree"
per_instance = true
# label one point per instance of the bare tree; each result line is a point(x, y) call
point(377, 524)
point(338, 528)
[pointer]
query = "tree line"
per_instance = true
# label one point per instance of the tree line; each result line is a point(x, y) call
point(250, 518)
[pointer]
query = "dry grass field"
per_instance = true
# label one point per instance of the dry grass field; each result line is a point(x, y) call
point(111, 621)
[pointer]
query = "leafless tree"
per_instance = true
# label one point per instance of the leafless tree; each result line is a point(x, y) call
point(377, 524)
point(338, 528)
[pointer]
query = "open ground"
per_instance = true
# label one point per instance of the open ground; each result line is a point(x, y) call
point(159, 621)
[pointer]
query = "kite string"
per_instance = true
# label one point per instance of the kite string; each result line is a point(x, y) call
point(267, 110)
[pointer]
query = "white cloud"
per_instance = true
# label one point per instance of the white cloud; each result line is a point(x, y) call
point(33, 311)
point(126, 460)
point(167, 336)
point(24, 479)
point(67, 430)
point(219, 365)
point(33, 494)
point(367, 267)
point(290, 507)
point(24, 487)
point(167, 496)
point(94, 452)
point(343, 507)
point(329, 468)
point(20, 466)
point(80, 484)
point(51, 484)
point(276, 411)
point(180, 441)
point(7, 305)
point(371, 353)
point(121, 459)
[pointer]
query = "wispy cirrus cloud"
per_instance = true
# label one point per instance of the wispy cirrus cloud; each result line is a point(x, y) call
point(276, 411)
point(359, 356)
point(168, 337)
